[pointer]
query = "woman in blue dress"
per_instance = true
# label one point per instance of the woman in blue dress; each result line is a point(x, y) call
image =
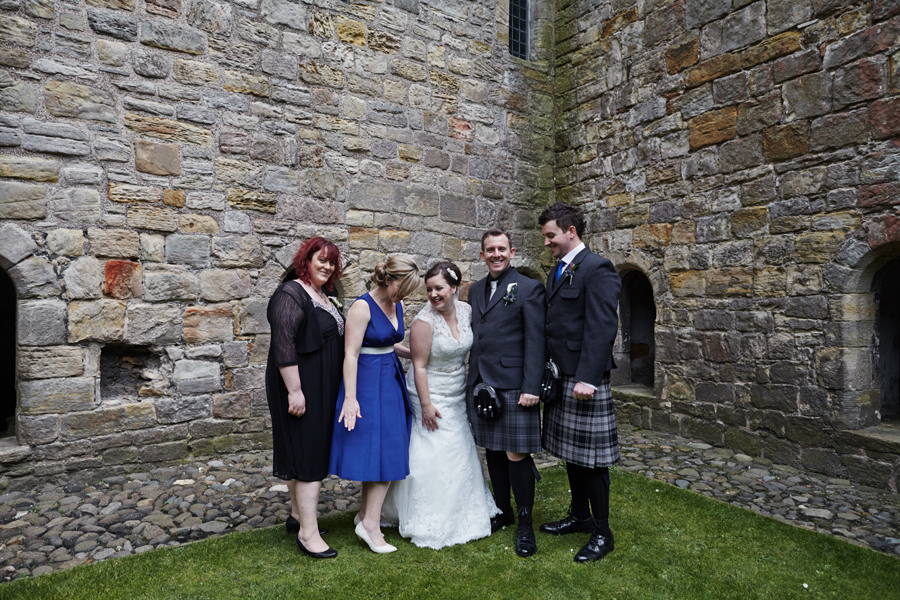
point(373, 415)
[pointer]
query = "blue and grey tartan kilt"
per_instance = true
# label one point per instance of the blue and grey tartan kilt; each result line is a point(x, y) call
point(518, 430)
point(582, 432)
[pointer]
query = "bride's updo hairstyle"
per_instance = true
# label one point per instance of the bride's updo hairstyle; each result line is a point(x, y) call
point(449, 271)
point(402, 267)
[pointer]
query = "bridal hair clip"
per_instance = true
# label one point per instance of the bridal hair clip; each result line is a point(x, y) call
point(453, 276)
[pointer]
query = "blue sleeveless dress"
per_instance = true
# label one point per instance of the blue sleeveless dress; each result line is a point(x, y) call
point(378, 447)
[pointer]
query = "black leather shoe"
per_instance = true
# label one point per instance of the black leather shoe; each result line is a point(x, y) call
point(525, 543)
point(330, 553)
point(569, 524)
point(500, 521)
point(596, 548)
point(292, 525)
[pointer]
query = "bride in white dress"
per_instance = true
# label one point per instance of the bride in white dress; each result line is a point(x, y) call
point(444, 500)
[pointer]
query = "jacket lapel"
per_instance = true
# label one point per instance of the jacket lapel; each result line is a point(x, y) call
point(555, 287)
point(476, 296)
point(504, 281)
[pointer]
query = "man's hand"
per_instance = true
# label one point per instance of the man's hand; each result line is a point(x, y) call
point(528, 399)
point(582, 391)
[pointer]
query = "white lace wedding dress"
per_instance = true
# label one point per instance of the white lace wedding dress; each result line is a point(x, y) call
point(444, 500)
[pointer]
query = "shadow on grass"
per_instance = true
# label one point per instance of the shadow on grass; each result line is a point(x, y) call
point(670, 543)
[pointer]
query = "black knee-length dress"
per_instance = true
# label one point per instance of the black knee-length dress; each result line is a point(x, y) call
point(306, 335)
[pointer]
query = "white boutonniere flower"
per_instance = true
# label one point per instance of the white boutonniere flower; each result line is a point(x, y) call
point(336, 302)
point(510, 293)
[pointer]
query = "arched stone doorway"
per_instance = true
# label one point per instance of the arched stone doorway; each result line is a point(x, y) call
point(7, 355)
point(886, 286)
point(637, 317)
point(855, 368)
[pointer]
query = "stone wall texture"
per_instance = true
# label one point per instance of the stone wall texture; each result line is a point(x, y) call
point(161, 161)
point(745, 157)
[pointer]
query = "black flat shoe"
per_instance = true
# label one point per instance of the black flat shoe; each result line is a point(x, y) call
point(292, 525)
point(596, 548)
point(569, 524)
point(500, 521)
point(330, 553)
point(525, 543)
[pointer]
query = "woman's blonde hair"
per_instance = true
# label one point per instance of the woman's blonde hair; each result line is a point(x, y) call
point(402, 267)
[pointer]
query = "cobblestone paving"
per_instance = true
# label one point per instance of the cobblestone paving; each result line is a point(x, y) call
point(59, 527)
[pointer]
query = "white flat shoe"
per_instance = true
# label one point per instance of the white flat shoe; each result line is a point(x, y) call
point(364, 536)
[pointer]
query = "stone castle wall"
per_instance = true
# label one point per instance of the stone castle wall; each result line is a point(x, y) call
point(161, 161)
point(745, 158)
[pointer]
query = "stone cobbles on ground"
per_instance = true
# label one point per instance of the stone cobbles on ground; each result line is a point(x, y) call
point(60, 527)
point(866, 516)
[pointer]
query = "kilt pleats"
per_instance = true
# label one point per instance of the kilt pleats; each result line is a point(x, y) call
point(582, 432)
point(518, 430)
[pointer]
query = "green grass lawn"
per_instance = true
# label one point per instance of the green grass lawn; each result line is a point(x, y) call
point(670, 543)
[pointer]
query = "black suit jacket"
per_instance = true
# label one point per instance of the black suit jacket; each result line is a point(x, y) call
point(583, 318)
point(508, 351)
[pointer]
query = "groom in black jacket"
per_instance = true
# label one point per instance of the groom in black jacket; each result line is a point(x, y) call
point(508, 354)
point(580, 428)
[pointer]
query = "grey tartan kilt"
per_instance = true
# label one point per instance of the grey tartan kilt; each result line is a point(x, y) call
point(518, 430)
point(582, 432)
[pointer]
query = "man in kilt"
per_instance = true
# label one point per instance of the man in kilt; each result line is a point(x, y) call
point(581, 324)
point(508, 355)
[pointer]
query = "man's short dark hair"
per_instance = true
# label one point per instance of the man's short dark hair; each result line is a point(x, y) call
point(495, 233)
point(565, 216)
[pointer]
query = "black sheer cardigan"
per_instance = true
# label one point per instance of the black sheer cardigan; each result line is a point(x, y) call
point(293, 331)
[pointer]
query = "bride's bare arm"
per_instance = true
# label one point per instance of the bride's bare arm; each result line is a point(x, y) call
point(420, 349)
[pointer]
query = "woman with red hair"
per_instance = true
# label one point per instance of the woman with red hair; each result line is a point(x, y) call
point(303, 376)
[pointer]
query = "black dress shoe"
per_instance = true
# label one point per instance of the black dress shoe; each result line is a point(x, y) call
point(330, 553)
point(596, 548)
point(525, 543)
point(292, 525)
point(569, 524)
point(500, 521)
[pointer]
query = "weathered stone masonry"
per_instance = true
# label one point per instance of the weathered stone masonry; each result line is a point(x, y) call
point(161, 160)
point(743, 157)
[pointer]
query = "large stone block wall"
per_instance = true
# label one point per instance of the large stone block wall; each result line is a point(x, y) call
point(745, 157)
point(161, 161)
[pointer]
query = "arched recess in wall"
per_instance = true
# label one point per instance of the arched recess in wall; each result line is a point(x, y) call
point(860, 366)
point(642, 284)
point(532, 273)
point(886, 287)
point(7, 355)
point(637, 319)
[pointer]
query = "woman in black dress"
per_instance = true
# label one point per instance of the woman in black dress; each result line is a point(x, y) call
point(303, 376)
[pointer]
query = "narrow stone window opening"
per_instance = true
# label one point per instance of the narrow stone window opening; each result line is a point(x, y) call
point(887, 336)
point(128, 373)
point(637, 313)
point(518, 28)
point(7, 356)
